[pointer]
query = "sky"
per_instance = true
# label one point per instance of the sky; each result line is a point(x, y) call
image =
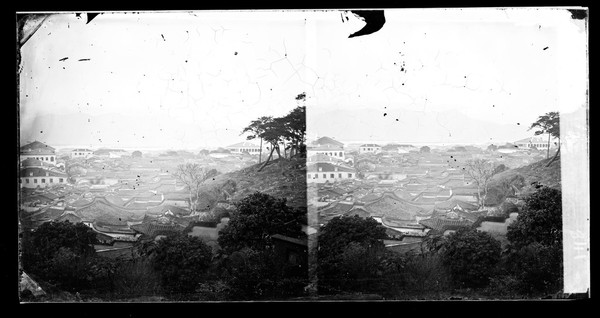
point(193, 80)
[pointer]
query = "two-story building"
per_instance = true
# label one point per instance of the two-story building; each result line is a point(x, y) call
point(538, 142)
point(326, 146)
point(81, 153)
point(39, 151)
point(33, 177)
point(244, 147)
point(369, 148)
point(322, 172)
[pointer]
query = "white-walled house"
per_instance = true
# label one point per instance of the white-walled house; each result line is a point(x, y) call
point(32, 177)
point(81, 153)
point(38, 151)
point(326, 146)
point(245, 146)
point(322, 172)
point(369, 148)
point(540, 142)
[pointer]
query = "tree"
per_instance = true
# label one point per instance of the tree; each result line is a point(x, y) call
point(256, 129)
point(136, 154)
point(539, 221)
point(492, 147)
point(59, 252)
point(548, 124)
point(349, 252)
point(182, 260)
point(482, 172)
point(193, 175)
point(257, 217)
point(204, 152)
point(500, 168)
point(471, 257)
point(425, 149)
point(295, 128)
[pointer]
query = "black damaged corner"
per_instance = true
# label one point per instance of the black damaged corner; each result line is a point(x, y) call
point(374, 19)
point(578, 14)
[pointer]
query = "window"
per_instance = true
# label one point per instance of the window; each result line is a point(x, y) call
point(324, 176)
point(43, 180)
point(34, 180)
point(316, 176)
point(332, 176)
point(27, 180)
point(308, 175)
point(52, 159)
point(60, 180)
point(51, 180)
point(349, 175)
point(339, 175)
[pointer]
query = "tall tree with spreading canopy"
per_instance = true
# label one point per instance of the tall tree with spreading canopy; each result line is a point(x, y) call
point(548, 124)
point(482, 172)
point(256, 129)
point(193, 175)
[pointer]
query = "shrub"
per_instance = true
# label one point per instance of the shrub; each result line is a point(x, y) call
point(182, 261)
point(470, 257)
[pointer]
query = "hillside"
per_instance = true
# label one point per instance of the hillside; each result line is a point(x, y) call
point(281, 179)
point(523, 177)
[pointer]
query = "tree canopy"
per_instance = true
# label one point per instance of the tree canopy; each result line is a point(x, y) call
point(289, 129)
point(182, 260)
point(471, 257)
point(425, 149)
point(257, 217)
point(540, 219)
point(193, 175)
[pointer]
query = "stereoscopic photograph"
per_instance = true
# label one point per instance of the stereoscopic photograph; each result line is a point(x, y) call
point(400, 154)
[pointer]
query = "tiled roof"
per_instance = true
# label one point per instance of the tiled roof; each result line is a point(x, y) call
point(325, 148)
point(327, 141)
point(327, 167)
point(392, 206)
point(152, 229)
point(40, 172)
point(243, 144)
point(167, 207)
point(81, 150)
point(323, 158)
point(370, 145)
point(102, 209)
point(450, 204)
point(36, 147)
point(442, 224)
point(112, 228)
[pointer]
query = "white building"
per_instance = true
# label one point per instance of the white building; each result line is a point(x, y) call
point(538, 142)
point(81, 153)
point(242, 147)
point(323, 172)
point(39, 151)
point(326, 146)
point(369, 148)
point(33, 177)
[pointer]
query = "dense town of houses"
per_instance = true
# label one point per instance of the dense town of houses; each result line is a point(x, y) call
point(122, 197)
point(411, 193)
point(125, 198)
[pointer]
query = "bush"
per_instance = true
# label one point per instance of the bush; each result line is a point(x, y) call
point(470, 257)
point(540, 220)
point(136, 278)
point(258, 217)
point(425, 274)
point(60, 253)
point(182, 261)
point(537, 267)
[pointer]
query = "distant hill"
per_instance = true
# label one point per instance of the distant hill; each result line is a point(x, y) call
point(281, 179)
point(411, 126)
